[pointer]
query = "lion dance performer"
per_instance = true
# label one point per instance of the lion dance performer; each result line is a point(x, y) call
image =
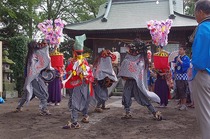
point(37, 60)
point(134, 71)
point(104, 77)
point(80, 78)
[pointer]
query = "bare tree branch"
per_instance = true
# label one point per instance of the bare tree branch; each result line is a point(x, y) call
point(43, 8)
point(59, 8)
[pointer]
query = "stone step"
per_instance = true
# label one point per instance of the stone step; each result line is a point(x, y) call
point(118, 90)
point(116, 94)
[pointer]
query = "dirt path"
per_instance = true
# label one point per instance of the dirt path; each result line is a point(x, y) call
point(107, 125)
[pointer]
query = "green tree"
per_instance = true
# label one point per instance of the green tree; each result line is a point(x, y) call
point(17, 50)
point(189, 7)
point(70, 10)
point(86, 9)
point(20, 15)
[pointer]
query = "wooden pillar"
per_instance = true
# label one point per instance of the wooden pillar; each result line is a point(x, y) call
point(1, 73)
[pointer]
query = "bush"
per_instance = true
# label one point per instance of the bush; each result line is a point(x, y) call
point(17, 53)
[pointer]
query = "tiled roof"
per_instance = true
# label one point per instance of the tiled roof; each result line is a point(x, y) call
point(133, 15)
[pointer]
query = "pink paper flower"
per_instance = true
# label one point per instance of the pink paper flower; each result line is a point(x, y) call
point(159, 31)
point(52, 34)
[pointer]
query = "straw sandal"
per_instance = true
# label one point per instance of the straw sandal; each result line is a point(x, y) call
point(127, 116)
point(105, 108)
point(18, 110)
point(45, 112)
point(85, 119)
point(99, 110)
point(158, 115)
point(70, 125)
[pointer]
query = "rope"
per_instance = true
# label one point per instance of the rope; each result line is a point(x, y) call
point(117, 39)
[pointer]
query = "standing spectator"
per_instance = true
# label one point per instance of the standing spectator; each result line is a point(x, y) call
point(189, 74)
point(173, 73)
point(161, 88)
point(182, 63)
point(54, 89)
point(151, 77)
point(201, 65)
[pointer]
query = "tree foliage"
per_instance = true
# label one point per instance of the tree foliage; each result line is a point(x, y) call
point(52, 9)
point(22, 16)
point(189, 7)
point(86, 9)
point(17, 53)
point(70, 10)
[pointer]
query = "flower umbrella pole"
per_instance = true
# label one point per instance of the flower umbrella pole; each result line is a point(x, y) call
point(53, 34)
point(159, 31)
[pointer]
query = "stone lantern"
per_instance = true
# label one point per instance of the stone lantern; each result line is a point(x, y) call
point(8, 84)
